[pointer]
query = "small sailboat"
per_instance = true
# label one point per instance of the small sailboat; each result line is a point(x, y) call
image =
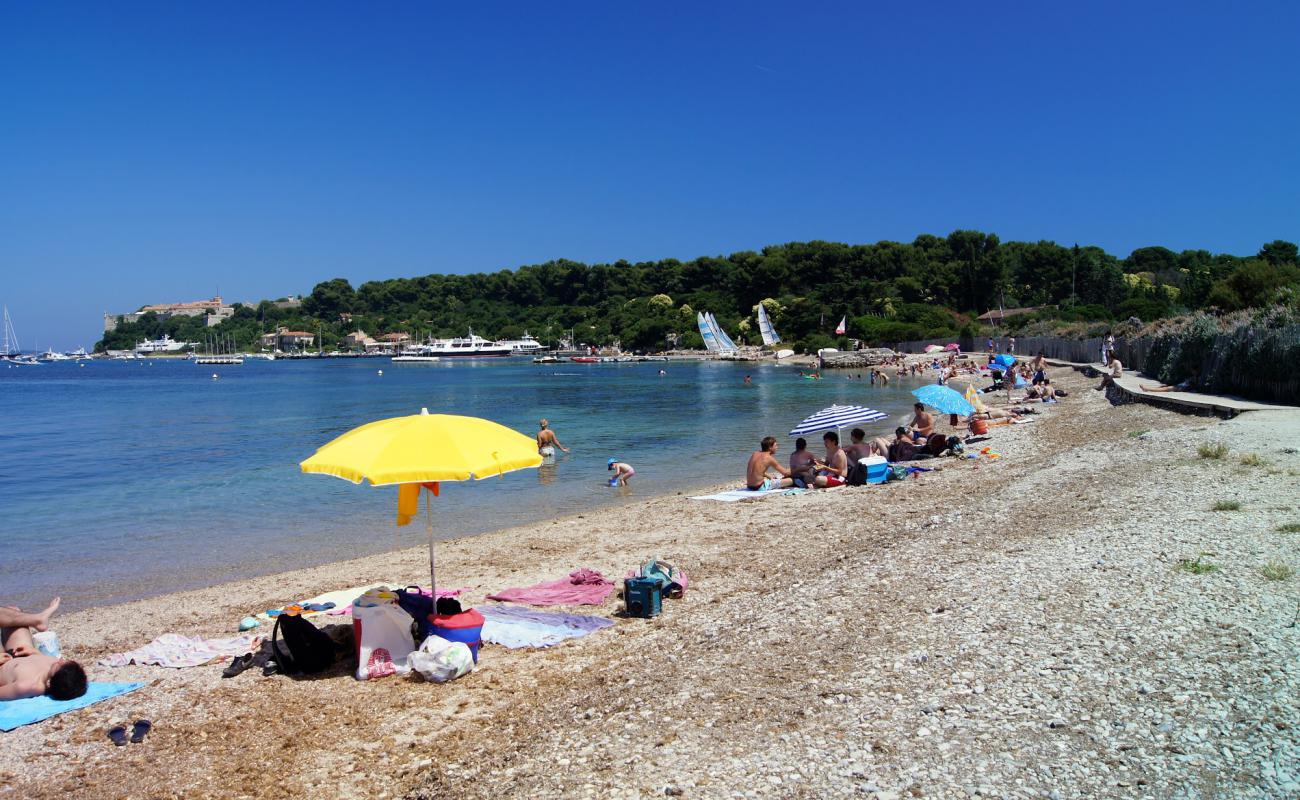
point(765, 327)
point(10, 352)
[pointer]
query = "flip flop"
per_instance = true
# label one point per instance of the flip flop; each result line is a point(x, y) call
point(237, 665)
point(139, 730)
point(118, 734)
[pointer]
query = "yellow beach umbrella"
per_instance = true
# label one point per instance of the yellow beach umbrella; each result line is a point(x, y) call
point(418, 452)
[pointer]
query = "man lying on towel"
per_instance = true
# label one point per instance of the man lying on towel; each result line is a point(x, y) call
point(761, 463)
point(27, 672)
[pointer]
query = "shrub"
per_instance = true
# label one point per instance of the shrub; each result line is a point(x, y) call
point(1197, 567)
point(1276, 571)
point(1215, 450)
point(1227, 505)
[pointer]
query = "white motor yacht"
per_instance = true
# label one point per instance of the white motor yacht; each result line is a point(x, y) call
point(471, 346)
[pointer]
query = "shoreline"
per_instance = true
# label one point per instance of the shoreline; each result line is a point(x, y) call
point(854, 641)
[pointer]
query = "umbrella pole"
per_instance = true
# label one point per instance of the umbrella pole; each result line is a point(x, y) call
point(433, 584)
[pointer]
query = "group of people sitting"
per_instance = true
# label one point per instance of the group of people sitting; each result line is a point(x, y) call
point(805, 470)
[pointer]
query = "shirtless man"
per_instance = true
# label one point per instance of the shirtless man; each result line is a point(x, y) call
point(1116, 372)
point(835, 468)
point(801, 463)
point(27, 672)
point(761, 463)
point(859, 448)
point(546, 441)
point(922, 423)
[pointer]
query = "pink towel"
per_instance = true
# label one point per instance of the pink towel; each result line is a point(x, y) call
point(583, 587)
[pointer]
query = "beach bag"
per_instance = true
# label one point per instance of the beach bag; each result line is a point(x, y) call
point(672, 581)
point(439, 660)
point(384, 640)
point(857, 474)
point(415, 602)
point(299, 647)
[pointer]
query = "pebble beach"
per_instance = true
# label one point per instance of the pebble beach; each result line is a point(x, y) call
point(1070, 620)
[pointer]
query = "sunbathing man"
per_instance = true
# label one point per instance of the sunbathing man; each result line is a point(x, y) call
point(27, 672)
point(835, 468)
point(546, 441)
point(761, 463)
point(801, 463)
point(1185, 385)
point(922, 423)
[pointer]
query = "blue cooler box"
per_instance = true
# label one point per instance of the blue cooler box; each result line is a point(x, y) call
point(877, 468)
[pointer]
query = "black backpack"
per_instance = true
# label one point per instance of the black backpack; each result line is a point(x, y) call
point(304, 648)
point(857, 474)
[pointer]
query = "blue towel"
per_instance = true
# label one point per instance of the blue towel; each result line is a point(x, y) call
point(17, 713)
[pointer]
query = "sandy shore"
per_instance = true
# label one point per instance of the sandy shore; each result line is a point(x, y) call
point(1018, 627)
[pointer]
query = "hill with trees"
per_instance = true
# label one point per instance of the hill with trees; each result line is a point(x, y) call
point(890, 291)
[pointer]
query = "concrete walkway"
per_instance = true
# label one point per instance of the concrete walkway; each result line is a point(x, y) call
point(1213, 403)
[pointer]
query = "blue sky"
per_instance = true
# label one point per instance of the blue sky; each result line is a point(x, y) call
point(155, 152)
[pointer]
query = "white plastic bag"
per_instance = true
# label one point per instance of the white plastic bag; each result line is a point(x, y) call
point(439, 660)
point(385, 640)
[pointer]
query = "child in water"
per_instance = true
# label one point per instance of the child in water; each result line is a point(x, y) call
point(622, 472)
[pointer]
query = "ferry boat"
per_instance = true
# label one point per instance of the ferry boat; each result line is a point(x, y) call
point(420, 354)
point(471, 346)
point(164, 345)
point(527, 346)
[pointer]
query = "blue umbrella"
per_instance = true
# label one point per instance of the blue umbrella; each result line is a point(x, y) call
point(943, 399)
point(1005, 360)
point(836, 417)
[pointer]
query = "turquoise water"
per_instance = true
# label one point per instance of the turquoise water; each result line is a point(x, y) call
point(120, 479)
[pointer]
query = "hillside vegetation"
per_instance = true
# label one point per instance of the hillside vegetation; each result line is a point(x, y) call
point(890, 291)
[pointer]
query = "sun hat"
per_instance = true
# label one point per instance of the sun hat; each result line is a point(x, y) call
point(611, 464)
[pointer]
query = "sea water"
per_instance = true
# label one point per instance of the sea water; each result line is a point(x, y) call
point(126, 479)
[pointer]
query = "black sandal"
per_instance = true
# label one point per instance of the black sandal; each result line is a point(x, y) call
point(118, 734)
point(139, 730)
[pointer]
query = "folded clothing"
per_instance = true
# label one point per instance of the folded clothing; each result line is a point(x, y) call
point(17, 713)
point(583, 587)
point(515, 627)
point(176, 651)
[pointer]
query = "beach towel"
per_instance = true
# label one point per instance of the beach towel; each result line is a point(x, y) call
point(736, 495)
point(17, 713)
point(176, 651)
point(524, 627)
point(583, 587)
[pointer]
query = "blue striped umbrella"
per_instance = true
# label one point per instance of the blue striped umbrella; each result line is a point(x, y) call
point(836, 417)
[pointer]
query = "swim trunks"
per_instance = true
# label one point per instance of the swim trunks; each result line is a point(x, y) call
point(834, 480)
point(767, 485)
point(546, 451)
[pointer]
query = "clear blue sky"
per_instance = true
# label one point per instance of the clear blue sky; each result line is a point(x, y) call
point(154, 152)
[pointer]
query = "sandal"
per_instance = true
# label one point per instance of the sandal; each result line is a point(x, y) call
point(139, 730)
point(237, 665)
point(118, 734)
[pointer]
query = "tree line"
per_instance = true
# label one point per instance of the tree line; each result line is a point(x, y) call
point(889, 291)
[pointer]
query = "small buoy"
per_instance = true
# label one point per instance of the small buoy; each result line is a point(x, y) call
point(215, 376)
point(381, 372)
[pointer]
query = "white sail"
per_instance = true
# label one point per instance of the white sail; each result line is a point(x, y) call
point(765, 327)
point(842, 329)
point(710, 341)
point(724, 341)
